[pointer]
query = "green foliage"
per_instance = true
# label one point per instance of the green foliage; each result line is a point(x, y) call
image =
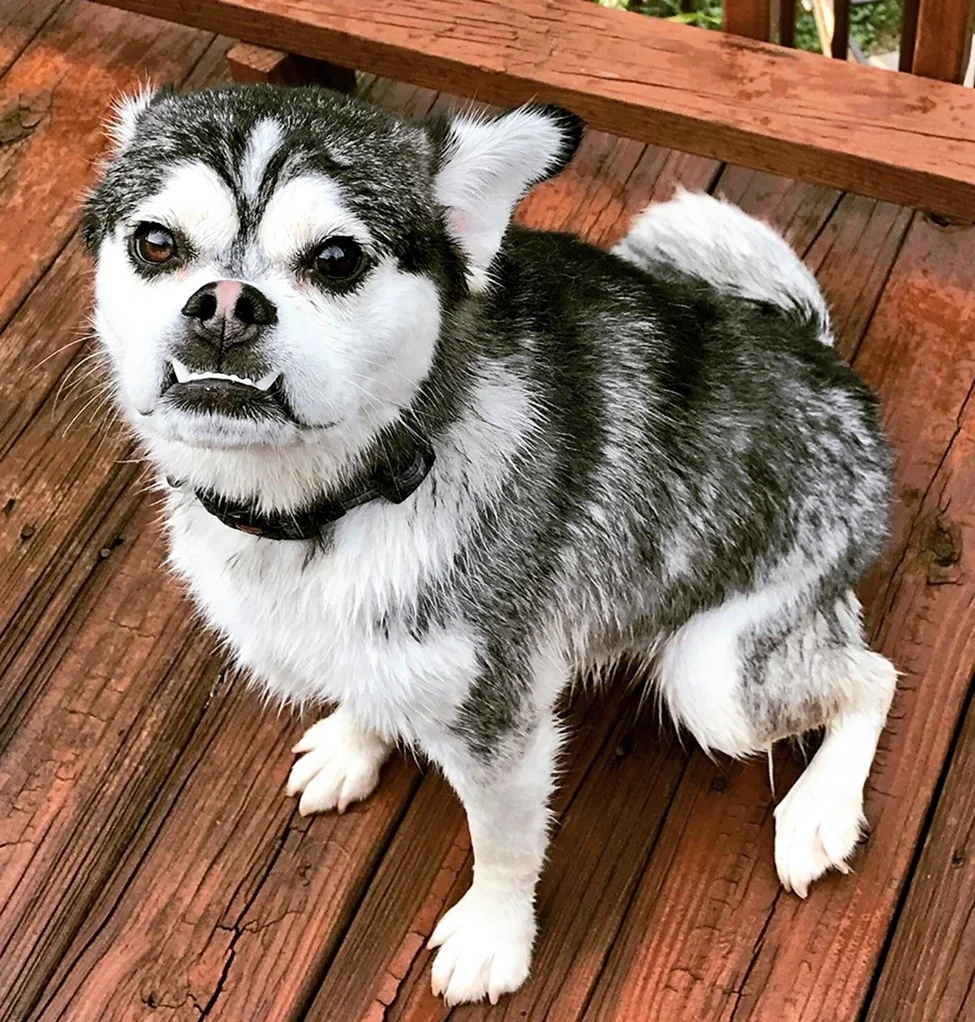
point(875, 26)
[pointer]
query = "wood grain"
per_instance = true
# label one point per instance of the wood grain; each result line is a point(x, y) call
point(928, 972)
point(944, 39)
point(86, 618)
point(893, 137)
point(616, 762)
point(19, 23)
point(61, 88)
point(116, 692)
point(814, 960)
point(258, 64)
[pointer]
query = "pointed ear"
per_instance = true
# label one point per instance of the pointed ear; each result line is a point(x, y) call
point(486, 164)
point(126, 111)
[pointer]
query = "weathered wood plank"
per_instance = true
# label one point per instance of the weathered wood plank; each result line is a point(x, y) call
point(620, 765)
point(117, 691)
point(930, 967)
point(798, 211)
point(944, 39)
point(60, 90)
point(814, 960)
point(62, 479)
point(82, 626)
point(19, 23)
point(894, 137)
point(244, 900)
point(258, 64)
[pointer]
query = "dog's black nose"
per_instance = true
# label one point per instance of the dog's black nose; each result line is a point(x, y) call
point(226, 313)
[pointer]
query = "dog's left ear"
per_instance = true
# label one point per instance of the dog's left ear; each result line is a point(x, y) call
point(486, 164)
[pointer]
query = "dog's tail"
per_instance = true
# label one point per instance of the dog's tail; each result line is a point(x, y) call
point(700, 236)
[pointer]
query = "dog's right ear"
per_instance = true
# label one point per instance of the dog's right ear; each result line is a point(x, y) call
point(127, 110)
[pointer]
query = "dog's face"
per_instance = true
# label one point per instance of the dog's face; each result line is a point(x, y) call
point(275, 265)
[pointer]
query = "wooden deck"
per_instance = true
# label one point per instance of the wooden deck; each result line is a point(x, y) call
point(150, 864)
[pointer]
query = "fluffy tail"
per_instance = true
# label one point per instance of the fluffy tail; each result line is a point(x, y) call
point(708, 238)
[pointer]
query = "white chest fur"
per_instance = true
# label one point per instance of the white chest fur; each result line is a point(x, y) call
point(334, 627)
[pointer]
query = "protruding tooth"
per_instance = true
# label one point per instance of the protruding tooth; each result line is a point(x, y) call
point(183, 374)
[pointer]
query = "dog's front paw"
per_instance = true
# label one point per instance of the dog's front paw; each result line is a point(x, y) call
point(339, 765)
point(485, 948)
point(817, 828)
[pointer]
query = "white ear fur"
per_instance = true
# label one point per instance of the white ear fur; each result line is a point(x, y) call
point(126, 111)
point(487, 165)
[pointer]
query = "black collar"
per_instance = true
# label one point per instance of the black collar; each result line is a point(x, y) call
point(402, 463)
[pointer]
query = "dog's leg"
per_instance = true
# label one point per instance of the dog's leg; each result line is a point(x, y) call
point(820, 821)
point(339, 764)
point(760, 668)
point(486, 939)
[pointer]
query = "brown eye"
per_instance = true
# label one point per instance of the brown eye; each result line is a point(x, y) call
point(154, 244)
point(338, 259)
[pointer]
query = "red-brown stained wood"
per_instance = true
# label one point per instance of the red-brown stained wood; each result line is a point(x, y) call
point(929, 969)
point(751, 18)
point(86, 619)
point(239, 897)
point(894, 137)
point(910, 10)
point(117, 692)
point(19, 22)
point(258, 64)
point(62, 87)
point(798, 211)
point(944, 39)
point(814, 960)
point(852, 257)
point(839, 45)
point(624, 766)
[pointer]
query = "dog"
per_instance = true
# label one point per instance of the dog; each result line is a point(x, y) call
point(428, 467)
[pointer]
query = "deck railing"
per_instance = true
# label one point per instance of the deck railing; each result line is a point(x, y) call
point(891, 136)
point(936, 35)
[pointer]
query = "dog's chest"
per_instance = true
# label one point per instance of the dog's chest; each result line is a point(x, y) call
point(338, 624)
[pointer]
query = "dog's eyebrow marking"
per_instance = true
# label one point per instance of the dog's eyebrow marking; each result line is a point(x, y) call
point(264, 141)
point(306, 210)
point(197, 201)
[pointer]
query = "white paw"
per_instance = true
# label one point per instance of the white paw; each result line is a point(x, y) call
point(817, 827)
point(340, 765)
point(485, 948)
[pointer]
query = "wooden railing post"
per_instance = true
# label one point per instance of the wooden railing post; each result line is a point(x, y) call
point(253, 64)
point(944, 39)
point(787, 22)
point(751, 18)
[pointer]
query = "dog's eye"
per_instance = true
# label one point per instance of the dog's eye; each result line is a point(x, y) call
point(154, 244)
point(338, 259)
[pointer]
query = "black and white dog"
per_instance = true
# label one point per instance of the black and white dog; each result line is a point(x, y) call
point(428, 467)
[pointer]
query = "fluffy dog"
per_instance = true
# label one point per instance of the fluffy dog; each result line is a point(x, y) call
point(427, 466)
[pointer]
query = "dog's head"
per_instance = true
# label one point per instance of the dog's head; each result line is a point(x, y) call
point(275, 265)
